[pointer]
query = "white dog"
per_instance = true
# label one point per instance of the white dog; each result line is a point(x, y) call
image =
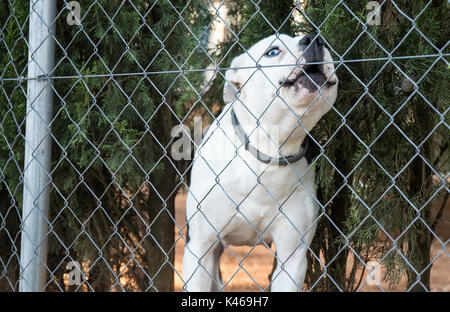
point(250, 181)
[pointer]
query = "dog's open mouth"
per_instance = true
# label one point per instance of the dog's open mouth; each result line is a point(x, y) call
point(310, 77)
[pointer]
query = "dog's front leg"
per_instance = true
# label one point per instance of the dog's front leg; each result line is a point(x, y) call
point(291, 269)
point(201, 266)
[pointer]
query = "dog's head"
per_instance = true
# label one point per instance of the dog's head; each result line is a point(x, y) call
point(273, 73)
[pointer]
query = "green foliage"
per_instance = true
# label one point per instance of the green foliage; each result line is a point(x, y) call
point(381, 131)
point(13, 60)
point(112, 121)
point(369, 182)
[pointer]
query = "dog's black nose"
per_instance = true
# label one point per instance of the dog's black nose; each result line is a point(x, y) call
point(306, 40)
point(312, 47)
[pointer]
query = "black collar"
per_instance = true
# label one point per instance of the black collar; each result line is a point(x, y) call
point(282, 161)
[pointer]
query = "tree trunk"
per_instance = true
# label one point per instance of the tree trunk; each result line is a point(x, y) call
point(419, 251)
point(419, 184)
point(337, 268)
point(162, 253)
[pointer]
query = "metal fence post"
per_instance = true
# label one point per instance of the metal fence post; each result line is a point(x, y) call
point(41, 50)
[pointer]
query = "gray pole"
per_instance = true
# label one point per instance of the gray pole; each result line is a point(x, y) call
point(41, 53)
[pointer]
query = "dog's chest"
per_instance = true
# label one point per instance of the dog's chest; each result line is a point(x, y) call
point(258, 202)
point(262, 184)
point(242, 195)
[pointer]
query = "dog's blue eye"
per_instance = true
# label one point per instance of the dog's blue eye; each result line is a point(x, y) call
point(273, 52)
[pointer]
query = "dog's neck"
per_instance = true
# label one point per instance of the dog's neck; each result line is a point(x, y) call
point(278, 134)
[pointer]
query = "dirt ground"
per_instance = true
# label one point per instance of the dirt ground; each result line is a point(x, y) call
point(252, 274)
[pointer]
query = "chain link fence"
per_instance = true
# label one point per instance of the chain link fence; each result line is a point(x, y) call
point(103, 104)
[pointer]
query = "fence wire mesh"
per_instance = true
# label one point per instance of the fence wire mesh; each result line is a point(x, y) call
point(136, 82)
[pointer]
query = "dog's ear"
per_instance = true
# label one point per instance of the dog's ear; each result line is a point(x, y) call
point(233, 80)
